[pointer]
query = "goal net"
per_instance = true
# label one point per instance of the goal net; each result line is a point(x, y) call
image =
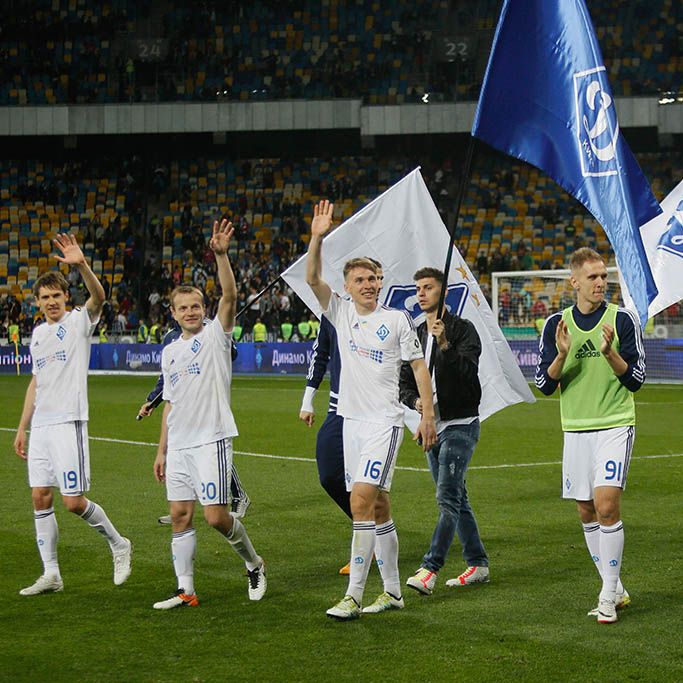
point(522, 300)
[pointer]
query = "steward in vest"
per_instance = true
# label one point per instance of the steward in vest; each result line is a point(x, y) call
point(260, 331)
point(155, 335)
point(143, 333)
point(304, 330)
point(286, 329)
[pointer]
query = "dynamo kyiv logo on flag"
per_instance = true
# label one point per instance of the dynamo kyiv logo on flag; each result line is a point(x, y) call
point(672, 240)
point(404, 297)
point(597, 126)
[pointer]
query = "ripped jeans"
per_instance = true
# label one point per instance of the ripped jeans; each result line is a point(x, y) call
point(448, 462)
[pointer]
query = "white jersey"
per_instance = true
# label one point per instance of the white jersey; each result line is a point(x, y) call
point(371, 348)
point(197, 374)
point(61, 356)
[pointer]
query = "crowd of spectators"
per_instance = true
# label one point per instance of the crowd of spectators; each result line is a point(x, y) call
point(63, 51)
point(149, 255)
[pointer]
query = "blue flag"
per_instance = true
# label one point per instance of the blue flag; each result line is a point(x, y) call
point(546, 100)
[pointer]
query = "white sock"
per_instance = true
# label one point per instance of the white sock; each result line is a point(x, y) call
point(47, 535)
point(611, 550)
point(362, 547)
point(591, 533)
point(97, 518)
point(241, 544)
point(183, 547)
point(386, 553)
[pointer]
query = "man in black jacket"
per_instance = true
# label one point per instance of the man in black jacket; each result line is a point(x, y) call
point(455, 346)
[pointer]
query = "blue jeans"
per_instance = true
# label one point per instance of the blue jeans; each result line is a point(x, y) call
point(448, 462)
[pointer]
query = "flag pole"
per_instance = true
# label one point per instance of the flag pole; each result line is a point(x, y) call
point(464, 181)
point(267, 288)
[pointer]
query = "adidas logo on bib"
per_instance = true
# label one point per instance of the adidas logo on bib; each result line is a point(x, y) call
point(588, 350)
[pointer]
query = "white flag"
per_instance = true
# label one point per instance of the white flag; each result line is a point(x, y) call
point(663, 242)
point(403, 230)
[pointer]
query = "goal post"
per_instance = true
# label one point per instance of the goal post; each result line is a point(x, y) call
point(546, 290)
point(522, 300)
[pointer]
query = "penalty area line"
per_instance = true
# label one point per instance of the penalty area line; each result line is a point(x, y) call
point(405, 468)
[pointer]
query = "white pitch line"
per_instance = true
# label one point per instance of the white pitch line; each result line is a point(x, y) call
point(297, 458)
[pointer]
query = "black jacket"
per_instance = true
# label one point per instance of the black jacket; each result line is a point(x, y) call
point(456, 371)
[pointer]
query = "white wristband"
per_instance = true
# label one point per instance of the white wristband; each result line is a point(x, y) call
point(307, 403)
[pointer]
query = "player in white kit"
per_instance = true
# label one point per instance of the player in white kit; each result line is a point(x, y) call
point(195, 448)
point(373, 341)
point(56, 407)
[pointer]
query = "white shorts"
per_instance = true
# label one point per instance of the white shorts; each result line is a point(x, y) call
point(200, 473)
point(58, 455)
point(592, 459)
point(370, 451)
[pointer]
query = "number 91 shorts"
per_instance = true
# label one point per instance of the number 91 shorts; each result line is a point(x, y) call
point(597, 458)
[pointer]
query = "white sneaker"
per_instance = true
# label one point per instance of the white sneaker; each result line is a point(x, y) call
point(622, 600)
point(384, 602)
point(178, 599)
point(607, 612)
point(165, 519)
point(470, 576)
point(239, 506)
point(122, 560)
point(257, 582)
point(423, 581)
point(345, 610)
point(44, 584)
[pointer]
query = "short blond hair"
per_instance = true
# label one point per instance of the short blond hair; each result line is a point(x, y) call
point(583, 255)
point(360, 262)
point(185, 289)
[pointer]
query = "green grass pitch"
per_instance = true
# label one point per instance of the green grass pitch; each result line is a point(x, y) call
point(529, 623)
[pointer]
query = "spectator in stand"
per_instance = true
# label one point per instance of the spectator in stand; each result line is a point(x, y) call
point(482, 264)
point(254, 306)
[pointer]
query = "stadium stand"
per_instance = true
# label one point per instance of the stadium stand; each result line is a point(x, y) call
point(73, 51)
point(141, 242)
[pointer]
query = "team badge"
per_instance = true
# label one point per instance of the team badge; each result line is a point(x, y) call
point(672, 240)
point(404, 297)
point(61, 332)
point(383, 332)
point(597, 128)
point(196, 345)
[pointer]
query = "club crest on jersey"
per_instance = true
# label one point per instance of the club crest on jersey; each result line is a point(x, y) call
point(196, 345)
point(383, 332)
point(61, 332)
point(597, 128)
point(404, 297)
point(672, 240)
